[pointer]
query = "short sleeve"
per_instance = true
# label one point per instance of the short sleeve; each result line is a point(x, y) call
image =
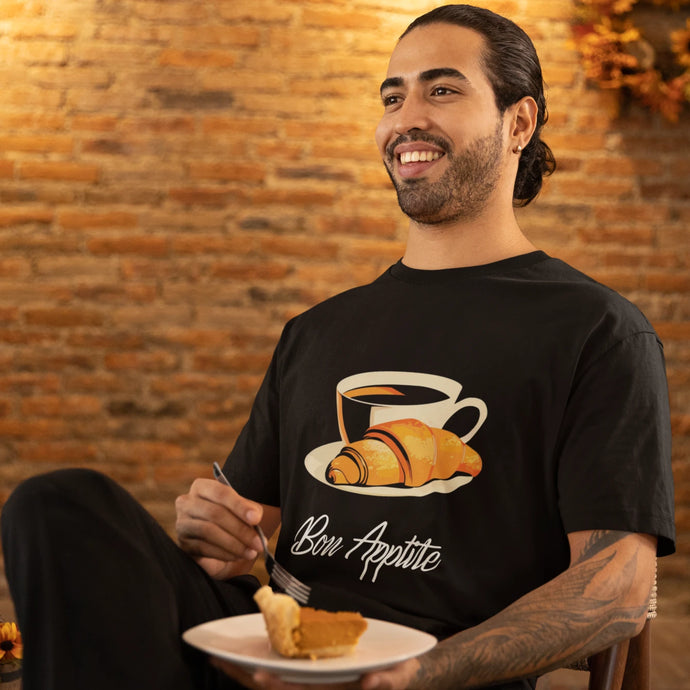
point(253, 465)
point(614, 469)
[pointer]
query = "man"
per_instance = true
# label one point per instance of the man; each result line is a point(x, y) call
point(542, 391)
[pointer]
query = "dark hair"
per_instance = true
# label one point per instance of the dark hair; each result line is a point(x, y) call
point(513, 69)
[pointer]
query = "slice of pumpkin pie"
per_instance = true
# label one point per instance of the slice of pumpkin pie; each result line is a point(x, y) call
point(302, 631)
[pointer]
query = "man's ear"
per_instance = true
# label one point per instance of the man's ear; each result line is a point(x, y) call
point(523, 122)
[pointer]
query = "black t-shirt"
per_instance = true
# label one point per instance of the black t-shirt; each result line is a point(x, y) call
point(554, 381)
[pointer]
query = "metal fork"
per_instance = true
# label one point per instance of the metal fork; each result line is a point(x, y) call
point(281, 577)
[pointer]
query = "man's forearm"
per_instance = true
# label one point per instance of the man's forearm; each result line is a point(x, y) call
point(593, 604)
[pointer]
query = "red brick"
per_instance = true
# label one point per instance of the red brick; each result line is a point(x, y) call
point(39, 143)
point(290, 105)
point(299, 246)
point(58, 406)
point(63, 317)
point(20, 216)
point(95, 123)
point(632, 212)
point(667, 282)
point(198, 243)
point(196, 58)
point(14, 267)
point(99, 382)
point(31, 28)
point(319, 131)
point(143, 452)
point(339, 278)
point(11, 9)
point(353, 65)
point(583, 143)
point(204, 196)
point(26, 383)
point(278, 150)
point(680, 425)
point(159, 125)
point(342, 151)
point(292, 197)
point(88, 220)
point(34, 428)
point(244, 270)
point(26, 96)
point(676, 189)
point(228, 171)
point(174, 12)
point(339, 19)
point(261, 11)
point(625, 234)
point(670, 330)
point(624, 166)
point(373, 249)
point(6, 168)
point(59, 171)
point(375, 227)
point(142, 245)
point(86, 267)
point(63, 452)
point(217, 34)
point(180, 473)
point(243, 126)
point(232, 362)
point(37, 121)
point(141, 361)
point(14, 336)
point(8, 314)
point(36, 52)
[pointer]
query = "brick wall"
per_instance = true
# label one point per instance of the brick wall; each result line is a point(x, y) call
point(178, 178)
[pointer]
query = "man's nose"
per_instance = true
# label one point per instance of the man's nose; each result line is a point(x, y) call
point(412, 114)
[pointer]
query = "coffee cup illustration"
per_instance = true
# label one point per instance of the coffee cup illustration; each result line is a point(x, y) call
point(367, 399)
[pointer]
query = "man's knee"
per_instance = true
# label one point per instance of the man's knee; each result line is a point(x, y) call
point(34, 496)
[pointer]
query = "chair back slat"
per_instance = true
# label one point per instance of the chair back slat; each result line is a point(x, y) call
point(607, 668)
point(638, 672)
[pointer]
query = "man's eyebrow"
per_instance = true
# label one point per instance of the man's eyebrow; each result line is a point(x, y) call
point(427, 75)
point(436, 73)
point(391, 83)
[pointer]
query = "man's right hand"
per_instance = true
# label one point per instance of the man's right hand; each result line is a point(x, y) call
point(215, 525)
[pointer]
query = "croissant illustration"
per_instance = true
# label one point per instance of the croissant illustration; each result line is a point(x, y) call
point(404, 452)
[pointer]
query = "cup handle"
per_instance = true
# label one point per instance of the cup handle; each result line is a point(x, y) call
point(481, 406)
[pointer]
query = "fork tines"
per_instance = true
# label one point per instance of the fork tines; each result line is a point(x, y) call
point(289, 583)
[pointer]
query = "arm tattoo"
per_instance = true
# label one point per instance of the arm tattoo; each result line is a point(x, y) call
point(566, 619)
point(599, 540)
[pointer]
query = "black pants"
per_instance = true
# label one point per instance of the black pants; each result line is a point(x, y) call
point(102, 593)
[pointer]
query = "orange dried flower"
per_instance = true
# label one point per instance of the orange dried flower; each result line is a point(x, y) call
point(680, 44)
point(11, 647)
point(617, 56)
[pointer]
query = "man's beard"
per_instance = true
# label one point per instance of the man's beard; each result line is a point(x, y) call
point(464, 188)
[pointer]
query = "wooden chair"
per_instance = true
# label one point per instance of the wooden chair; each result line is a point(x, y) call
point(626, 665)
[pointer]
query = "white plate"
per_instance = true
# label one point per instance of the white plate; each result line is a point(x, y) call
point(317, 461)
point(244, 641)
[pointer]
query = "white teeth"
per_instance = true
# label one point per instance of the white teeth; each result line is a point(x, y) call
point(419, 156)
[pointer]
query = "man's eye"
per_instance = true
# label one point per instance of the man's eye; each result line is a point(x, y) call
point(441, 91)
point(390, 100)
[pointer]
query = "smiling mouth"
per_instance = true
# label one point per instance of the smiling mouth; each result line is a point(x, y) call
point(408, 157)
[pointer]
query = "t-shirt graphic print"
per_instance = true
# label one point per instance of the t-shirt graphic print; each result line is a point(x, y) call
point(392, 440)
